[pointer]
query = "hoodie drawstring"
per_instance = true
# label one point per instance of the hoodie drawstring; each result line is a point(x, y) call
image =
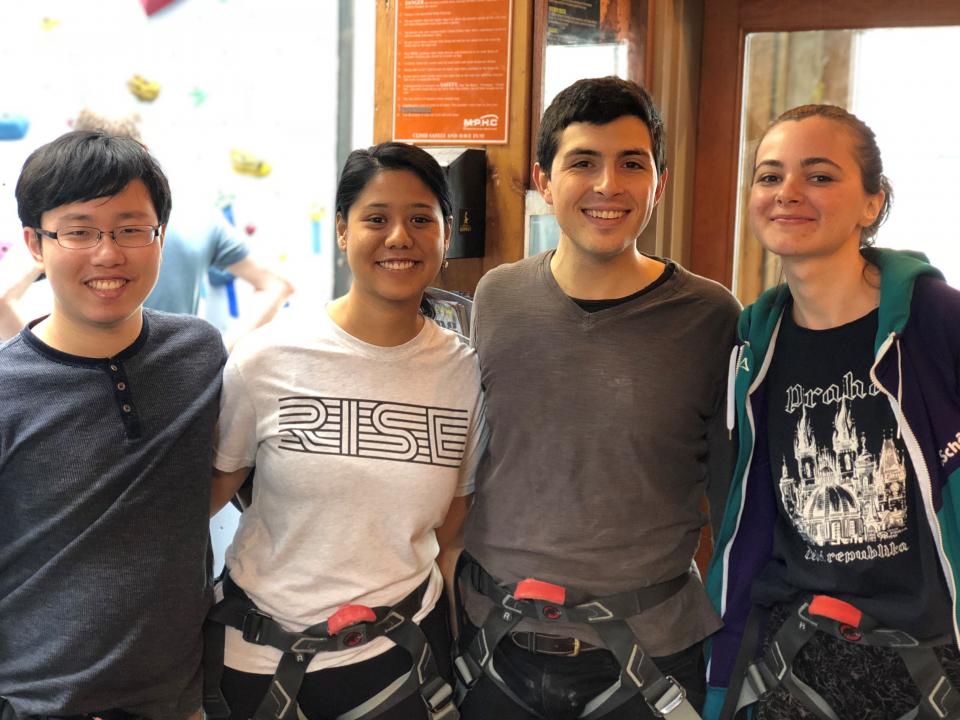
point(735, 355)
point(899, 383)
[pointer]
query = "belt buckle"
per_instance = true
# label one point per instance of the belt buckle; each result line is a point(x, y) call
point(512, 604)
point(253, 621)
point(670, 699)
point(437, 695)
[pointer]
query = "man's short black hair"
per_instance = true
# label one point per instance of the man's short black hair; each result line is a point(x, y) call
point(84, 165)
point(599, 101)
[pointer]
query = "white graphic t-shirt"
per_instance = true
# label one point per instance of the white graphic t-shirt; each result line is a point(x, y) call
point(851, 523)
point(359, 451)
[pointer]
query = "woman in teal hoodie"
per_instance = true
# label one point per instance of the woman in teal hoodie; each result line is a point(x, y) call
point(836, 567)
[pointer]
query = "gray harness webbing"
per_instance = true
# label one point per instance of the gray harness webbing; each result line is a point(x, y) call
point(638, 674)
point(280, 703)
point(939, 699)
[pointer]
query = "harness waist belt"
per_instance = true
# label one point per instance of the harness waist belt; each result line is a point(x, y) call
point(544, 602)
point(757, 676)
point(352, 626)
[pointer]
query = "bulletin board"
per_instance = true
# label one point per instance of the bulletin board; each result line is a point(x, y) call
point(237, 100)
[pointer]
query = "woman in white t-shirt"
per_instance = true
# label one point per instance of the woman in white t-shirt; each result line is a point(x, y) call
point(363, 422)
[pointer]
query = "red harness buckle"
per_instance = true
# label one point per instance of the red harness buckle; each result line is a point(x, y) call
point(830, 607)
point(531, 589)
point(348, 615)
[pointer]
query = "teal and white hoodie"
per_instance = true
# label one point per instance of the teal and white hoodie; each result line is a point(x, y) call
point(916, 365)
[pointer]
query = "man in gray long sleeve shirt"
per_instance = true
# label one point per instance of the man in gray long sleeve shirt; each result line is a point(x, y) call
point(604, 372)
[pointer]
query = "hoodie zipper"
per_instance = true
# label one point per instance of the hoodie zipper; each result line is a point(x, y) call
point(748, 409)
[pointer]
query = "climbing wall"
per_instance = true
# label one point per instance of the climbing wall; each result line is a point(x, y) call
point(237, 99)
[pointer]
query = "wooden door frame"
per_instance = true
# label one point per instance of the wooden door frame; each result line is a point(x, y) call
point(638, 35)
point(726, 25)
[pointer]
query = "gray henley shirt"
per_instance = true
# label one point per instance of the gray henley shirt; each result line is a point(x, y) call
point(105, 484)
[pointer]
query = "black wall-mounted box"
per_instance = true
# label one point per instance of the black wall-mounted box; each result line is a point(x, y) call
point(466, 170)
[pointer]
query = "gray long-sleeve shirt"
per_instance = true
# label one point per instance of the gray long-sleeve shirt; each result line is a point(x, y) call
point(605, 429)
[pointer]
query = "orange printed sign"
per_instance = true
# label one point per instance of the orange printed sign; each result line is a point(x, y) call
point(451, 71)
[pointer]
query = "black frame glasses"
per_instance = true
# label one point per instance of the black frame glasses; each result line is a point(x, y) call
point(125, 236)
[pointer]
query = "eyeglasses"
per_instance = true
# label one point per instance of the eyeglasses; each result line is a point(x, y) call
point(80, 238)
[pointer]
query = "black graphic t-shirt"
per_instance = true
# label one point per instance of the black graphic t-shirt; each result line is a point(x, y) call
point(851, 520)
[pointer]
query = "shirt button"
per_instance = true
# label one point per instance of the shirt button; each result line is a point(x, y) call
point(114, 368)
point(121, 386)
point(126, 407)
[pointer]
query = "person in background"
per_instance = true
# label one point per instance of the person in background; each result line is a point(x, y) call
point(603, 370)
point(364, 422)
point(107, 414)
point(13, 285)
point(194, 244)
point(835, 569)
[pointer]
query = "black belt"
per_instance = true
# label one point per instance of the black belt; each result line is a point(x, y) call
point(754, 678)
point(350, 627)
point(544, 602)
point(543, 644)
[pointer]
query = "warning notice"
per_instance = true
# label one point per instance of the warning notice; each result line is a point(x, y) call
point(451, 73)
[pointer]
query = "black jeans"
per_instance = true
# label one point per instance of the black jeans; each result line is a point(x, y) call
point(326, 694)
point(559, 687)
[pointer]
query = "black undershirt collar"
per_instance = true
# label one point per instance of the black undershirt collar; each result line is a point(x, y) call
point(592, 306)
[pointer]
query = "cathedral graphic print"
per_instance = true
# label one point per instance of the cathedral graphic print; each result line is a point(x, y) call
point(845, 489)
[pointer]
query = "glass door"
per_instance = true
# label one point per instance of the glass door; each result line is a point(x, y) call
point(893, 63)
point(895, 80)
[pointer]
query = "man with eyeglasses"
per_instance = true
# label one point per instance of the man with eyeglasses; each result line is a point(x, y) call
point(106, 420)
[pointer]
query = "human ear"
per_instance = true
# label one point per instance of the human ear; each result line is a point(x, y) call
point(447, 233)
point(542, 180)
point(871, 210)
point(661, 186)
point(341, 232)
point(34, 244)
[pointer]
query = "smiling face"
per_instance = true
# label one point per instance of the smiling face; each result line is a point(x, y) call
point(394, 237)
point(807, 198)
point(99, 289)
point(603, 185)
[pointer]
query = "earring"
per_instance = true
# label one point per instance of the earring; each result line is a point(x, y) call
point(445, 264)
